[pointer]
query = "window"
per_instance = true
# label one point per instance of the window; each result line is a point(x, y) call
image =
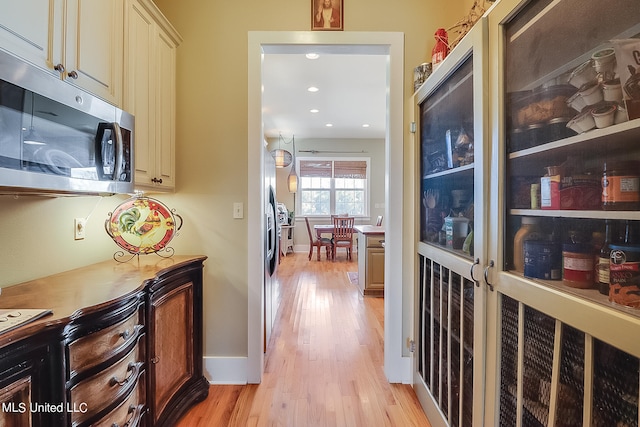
point(329, 187)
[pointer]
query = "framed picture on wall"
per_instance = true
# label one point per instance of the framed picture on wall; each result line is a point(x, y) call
point(326, 15)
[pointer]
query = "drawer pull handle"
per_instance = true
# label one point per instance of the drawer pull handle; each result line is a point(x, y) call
point(134, 420)
point(127, 332)
point(134, 367)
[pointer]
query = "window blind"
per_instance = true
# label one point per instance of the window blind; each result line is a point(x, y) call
point(356, 169)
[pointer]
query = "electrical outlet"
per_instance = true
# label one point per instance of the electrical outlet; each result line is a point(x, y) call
point(79, 225)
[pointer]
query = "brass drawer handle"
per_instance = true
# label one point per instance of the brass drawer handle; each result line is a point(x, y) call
point(134, 367)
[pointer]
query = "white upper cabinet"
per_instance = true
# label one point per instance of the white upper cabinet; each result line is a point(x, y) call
point(93, 46)
point(27, 29)
point(150, 62)
point(79, 40)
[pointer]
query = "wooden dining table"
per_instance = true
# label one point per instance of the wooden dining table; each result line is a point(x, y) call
point(321, 229)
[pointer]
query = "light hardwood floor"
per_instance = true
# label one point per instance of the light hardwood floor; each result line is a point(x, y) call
point(324, 364)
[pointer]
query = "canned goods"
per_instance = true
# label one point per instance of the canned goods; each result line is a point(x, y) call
point(542, 260)
point(624, 275)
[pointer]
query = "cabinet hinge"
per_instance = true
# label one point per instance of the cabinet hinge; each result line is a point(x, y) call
point(412, 127)
point(412, 345)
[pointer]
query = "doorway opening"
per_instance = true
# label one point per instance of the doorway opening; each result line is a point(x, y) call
point(397, 368)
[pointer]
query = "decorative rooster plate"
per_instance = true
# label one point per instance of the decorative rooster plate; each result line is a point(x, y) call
point(142, 225)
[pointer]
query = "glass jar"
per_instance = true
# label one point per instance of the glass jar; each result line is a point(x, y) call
point(621, 185)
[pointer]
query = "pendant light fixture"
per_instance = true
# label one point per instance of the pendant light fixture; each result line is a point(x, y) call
point(282, 157)
point(292, 179)
point(32, 137)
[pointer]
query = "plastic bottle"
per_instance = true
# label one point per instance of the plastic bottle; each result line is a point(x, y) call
point(529, 229)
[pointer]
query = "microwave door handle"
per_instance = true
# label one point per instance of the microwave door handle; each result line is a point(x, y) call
point(117, 132)
point(99, 158)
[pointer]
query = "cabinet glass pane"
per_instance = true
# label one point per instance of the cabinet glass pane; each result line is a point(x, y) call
point(447, 156)
point(569, 165)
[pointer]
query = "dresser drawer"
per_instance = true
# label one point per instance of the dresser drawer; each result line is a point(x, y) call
point(99, 346)
point(99, 391)
point(130, 412)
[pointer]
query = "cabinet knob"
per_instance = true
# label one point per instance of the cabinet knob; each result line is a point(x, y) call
point(59, 68)
point(73, 74)
point(156, 180)
point(125, 334)
point(155, 360)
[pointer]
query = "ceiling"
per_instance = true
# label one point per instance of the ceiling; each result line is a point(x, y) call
point(352, 83)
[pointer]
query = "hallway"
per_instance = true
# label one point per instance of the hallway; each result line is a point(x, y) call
point(324, 361)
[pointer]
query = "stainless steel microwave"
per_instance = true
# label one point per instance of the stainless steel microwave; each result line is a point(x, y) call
point(57, 138)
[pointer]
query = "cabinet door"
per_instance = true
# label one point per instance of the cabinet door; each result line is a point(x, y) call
point(93, 46)
point(30, 28)
point(15, 399)
point(560, 343)
point(449, 337)
point(140, 93)
point(166, 114)
point(78, 40)
point(174, 341)
point(171, 346)
point(150, 62)
point(375, 269)
point(31, 382)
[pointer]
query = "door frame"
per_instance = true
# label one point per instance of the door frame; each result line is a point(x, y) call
point(397, 366)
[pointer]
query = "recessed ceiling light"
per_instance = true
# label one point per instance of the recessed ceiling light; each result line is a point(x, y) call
point(366, 125)
point(314, 110)
point(329, 125)
point(312, 55)
point(313, 89)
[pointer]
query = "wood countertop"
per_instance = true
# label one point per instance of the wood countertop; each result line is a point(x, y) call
point(369, 229)
point(77, 292)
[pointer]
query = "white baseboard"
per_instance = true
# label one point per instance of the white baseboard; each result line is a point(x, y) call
point(226, 370)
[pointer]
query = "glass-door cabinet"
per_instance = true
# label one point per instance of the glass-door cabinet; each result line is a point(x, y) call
point(450, 124)
point(564, 250)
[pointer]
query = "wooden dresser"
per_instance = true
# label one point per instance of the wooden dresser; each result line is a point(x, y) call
point(122, 347)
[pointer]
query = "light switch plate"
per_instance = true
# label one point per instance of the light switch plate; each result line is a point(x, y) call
point(238, 210)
